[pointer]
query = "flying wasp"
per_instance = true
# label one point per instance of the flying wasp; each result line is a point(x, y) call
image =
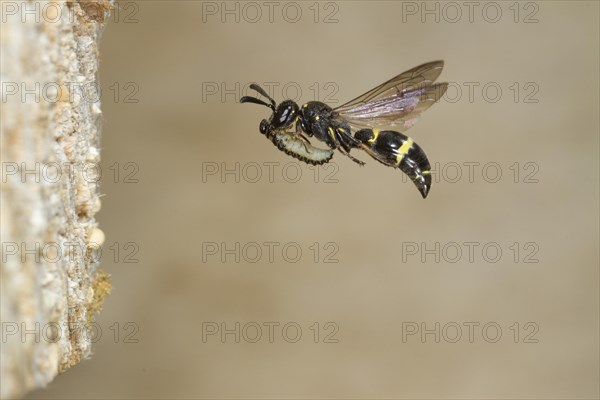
point(396, 103)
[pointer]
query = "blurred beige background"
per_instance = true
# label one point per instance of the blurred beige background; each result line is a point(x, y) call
point(172, 56)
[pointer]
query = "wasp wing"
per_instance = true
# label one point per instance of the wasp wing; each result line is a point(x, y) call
point(397, 102)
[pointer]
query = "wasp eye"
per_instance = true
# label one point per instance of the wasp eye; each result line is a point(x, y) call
point(285, 114)
point(264, 126)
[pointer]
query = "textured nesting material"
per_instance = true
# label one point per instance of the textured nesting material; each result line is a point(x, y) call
point(50, 136)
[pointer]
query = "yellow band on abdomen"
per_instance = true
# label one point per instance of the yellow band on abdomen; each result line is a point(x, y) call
point(403, 150)
point(375, 134)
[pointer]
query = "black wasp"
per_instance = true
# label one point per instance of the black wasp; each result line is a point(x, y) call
point(395, 103)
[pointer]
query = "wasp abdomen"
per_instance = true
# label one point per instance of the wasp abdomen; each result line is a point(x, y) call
point(398, 151)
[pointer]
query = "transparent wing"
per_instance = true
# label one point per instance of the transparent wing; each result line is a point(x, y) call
point(397, 102)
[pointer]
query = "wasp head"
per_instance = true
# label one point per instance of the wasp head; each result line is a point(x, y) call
point(283, 115)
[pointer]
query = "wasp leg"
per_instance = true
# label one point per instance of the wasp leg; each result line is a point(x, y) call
point(373, 154)
point(303, 138)
point(337, 142)
point(304, 141)
point(343, 146)
point(356, 160)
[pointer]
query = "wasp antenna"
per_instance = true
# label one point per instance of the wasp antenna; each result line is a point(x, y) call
point(250, 99)
point(264, 93)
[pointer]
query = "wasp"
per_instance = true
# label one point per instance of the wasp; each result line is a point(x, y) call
point(360, 123)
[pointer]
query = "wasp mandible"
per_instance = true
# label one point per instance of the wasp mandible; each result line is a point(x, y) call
point(395, 103)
